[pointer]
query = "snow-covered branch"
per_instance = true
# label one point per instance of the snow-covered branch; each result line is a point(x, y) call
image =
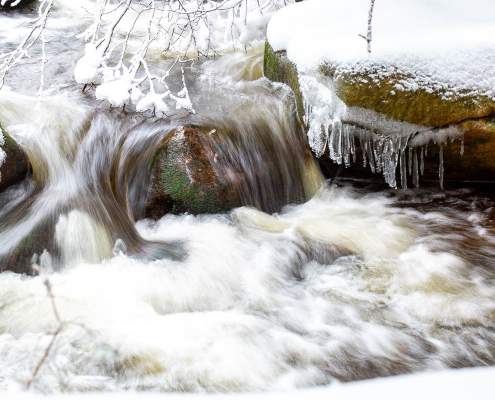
point(12, 58)
point(124, 37)
point(132, 46)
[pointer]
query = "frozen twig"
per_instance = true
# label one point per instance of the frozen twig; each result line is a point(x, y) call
point(369, 34)
point(55, 334)
point(10, 59)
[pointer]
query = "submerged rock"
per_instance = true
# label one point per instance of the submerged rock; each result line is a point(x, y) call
point(184, 179)
point(14, 163)
point(214, 169)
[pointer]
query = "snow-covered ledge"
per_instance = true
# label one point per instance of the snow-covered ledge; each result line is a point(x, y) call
point(432, 64)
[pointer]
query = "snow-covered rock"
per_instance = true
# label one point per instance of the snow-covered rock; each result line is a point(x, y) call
point(431, 66)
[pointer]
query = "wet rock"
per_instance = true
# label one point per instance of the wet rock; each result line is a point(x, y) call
point(214, 169)
point(278, 68)
point(36, 248)
point(184, 178)
point(13, 4)
point(14, 163)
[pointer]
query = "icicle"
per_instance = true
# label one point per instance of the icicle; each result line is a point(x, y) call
point(415, 174)
point(363, 144)
point(410, 163)
point(422, 161)
point(353, 148)
point(389, 160)
point(335, 142)
point(403, 169)
point(346, 145)
point(440, 167)
point(372, 160)
point(377, 147)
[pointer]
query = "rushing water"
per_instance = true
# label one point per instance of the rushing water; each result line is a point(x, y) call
point(353, 283)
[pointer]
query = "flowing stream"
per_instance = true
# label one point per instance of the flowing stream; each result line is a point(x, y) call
point(287, 292)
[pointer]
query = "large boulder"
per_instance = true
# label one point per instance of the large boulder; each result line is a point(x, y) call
point(184, 179)
point(14, 163)
point(469, 158)
point(214, 169)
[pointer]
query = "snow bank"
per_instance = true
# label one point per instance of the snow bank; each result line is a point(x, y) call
point(442, 43)
point(453, 385)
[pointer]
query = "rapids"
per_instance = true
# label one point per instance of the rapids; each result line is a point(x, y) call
point(289, 291)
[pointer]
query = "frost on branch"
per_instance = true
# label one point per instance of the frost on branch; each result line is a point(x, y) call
point(126, 37)
point(135, 51)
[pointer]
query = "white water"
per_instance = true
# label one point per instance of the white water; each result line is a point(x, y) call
point(345, 286)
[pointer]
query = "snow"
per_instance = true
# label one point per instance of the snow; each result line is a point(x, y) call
point(476, 383)
point(86, 70)
point(116, 87)
point(437, 44)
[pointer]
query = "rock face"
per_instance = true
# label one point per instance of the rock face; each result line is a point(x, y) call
point(278, 68)
point(183, 177)
point(472, 115)
point(15, 164)
point(386, 95)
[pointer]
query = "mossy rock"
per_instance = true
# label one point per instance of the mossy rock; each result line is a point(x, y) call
point(278, 68)
point(184, 178)
point(16, 164)
point(433, 108)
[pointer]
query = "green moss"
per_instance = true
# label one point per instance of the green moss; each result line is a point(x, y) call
point(418, 107)
point(278, 68)
point(184, 194)
point(185, 179)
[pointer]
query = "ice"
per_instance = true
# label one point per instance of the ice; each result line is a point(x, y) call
point(440, 167)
